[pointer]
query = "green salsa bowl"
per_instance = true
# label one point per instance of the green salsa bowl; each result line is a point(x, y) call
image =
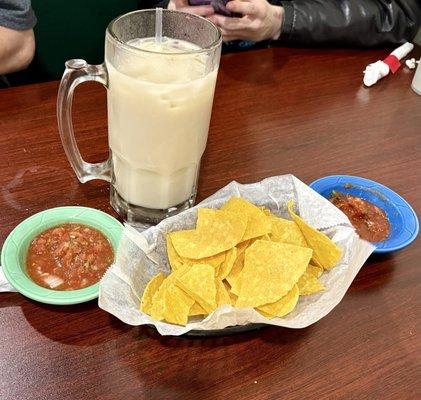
point(15, 248)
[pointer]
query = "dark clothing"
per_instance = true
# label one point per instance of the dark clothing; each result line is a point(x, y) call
point(350, 22)
point(17, 14)
point(362, 23)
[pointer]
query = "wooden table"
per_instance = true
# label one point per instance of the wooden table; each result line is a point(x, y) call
point(276, 111)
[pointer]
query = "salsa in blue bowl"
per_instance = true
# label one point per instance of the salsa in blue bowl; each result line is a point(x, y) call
point(404, 225)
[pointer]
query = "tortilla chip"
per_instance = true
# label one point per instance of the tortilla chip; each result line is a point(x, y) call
point(326, 253)
point(309, 283)
point(284, 231)
point(177, 305)
point(235, 278)
point(242, 246)
point(217, 231)
point(214, 261)
point(236, 269)
point(208, 218)
point(180, 271)
point(173, 257)
point(236, 285)
point(150, 289)
point(196, 309)
point(257, 222)
point(283, 306)
point(199, 283)
point(265, 314)
point(315, 270)
point(157, 308)
point(270, 272)
point(176, 261)
point(222, 295)
point(158, 304)
point(227, 264)
point(266, 211)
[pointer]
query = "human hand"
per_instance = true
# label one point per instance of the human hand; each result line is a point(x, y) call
point(260, 20)
point(183, 5)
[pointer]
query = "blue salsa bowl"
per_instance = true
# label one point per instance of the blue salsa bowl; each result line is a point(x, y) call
point(404, 225)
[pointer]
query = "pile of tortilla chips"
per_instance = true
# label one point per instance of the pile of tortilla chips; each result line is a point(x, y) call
point(241, 255)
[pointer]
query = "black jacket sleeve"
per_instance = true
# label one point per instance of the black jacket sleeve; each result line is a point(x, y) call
point(350, 22)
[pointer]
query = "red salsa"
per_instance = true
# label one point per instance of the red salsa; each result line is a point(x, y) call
point(370, 221)
point(68, 257)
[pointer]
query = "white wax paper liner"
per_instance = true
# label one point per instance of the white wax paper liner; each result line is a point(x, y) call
point(142, 255)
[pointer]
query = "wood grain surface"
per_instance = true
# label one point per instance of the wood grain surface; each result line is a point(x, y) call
point(276, 111)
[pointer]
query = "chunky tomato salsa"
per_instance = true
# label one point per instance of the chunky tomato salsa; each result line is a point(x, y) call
point(370, 221)
point(68, 257)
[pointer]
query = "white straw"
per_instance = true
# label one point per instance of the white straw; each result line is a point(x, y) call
point(158, 26)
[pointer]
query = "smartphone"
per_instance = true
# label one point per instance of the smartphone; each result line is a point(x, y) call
point(218, 5)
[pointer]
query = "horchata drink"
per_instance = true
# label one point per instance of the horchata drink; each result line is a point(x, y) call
point(160, 92)
point(159, 110)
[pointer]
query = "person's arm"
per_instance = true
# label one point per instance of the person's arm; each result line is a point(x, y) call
point(350, 22)
point(16, 49)
point(17, 43)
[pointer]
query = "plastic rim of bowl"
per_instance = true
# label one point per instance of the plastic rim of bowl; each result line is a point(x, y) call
point(403, 220)
point(15, 247)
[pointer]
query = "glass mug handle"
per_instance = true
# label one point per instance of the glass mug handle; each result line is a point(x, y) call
point(76, 72)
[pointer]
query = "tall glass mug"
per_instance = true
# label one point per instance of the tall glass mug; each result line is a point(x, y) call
point(159, 106)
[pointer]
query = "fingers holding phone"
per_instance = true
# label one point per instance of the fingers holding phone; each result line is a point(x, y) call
point(220, 7)
point(259, 20)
